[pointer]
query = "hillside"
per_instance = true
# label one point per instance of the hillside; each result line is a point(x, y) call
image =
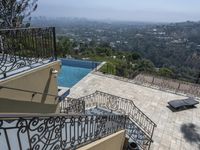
point(175, 46)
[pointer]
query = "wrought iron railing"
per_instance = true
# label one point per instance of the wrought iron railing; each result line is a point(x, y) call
point(56, 132)
point(133, 132)
point(25, 48)
point(72, 106)
point(122, 106)
point(137, 135)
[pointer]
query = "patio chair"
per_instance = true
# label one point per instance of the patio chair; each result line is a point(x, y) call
point(183, 104)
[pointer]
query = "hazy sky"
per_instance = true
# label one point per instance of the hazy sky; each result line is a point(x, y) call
point(129, 10)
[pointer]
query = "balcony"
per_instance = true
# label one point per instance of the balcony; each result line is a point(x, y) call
point(25, 49)
point(27, 62)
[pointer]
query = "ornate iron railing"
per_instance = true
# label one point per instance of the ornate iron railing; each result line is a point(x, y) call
point(21, 49)
point(137, 135)
point(122, 106)
point(56, 132)
point(72, 106)
point(134, 133)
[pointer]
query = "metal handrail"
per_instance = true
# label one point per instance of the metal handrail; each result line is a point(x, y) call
point(139, 127)
point(124, 106)
point(25, 48)
point(143, 140)
point(56, 131)
point(72, 106)
point(130, 101)
point(43, 116)
point(127, 103)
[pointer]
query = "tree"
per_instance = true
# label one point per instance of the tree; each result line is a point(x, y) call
point(14, 12)
point(121, 69)
point(66, 44)
point(133, 56)
point(165, 72)
point(145, 66)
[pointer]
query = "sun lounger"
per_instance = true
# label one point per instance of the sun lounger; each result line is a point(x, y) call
point(185, 103)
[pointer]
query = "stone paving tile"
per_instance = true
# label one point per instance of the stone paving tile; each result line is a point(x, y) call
point(175, 130)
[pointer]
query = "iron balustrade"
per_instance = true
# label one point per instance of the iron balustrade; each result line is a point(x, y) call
point(133, 132)
point(25, 48)
point(122, 106)
point(56, 132)
point(137, 135)
point(72, 106)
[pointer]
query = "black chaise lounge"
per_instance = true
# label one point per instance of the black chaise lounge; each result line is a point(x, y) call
point(183, 104)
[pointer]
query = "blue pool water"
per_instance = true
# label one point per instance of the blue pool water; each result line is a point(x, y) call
point(70, 75)
point(72, 71)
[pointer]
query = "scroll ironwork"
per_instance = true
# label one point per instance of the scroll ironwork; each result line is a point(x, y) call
point(25, 48)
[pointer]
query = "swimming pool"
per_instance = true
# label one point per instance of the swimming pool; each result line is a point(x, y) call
point(72, 71)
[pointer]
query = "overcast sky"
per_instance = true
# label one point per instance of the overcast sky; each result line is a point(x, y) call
point(128, 10)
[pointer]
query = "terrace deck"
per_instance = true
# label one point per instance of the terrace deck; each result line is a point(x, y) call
point(174, 131)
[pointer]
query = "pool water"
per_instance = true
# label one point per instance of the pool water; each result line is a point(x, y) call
point(70, 75)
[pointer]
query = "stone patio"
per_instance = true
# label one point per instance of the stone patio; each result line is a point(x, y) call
point(175, 130)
